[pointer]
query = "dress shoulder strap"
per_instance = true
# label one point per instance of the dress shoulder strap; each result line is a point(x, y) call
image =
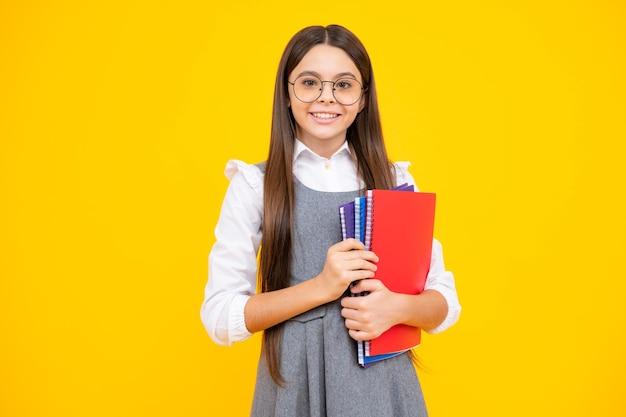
point(261, 166)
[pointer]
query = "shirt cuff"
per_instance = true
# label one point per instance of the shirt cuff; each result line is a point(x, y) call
point(237, 321)
point(454, 308)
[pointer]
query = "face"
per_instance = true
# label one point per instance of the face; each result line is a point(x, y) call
point(322, 124)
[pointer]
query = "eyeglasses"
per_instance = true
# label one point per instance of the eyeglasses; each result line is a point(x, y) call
point(308, 88)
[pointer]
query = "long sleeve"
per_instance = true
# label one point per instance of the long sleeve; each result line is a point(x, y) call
point(439, 278)
point(232, 261)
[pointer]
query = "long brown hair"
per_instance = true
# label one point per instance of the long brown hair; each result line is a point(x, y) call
point(364, 136)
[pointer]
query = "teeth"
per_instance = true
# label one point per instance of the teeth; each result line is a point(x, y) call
point(325, 115)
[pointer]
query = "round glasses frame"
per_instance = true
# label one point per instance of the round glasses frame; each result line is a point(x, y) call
point(333, 89)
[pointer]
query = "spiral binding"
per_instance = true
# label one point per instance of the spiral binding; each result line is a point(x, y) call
point(364, 348)
point(342, 220)
point(357, 225)
point(369, 221)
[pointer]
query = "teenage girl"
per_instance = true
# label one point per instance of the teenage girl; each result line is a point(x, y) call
point(326, 148)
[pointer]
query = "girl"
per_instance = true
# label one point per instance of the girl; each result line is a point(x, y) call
point(326, 148)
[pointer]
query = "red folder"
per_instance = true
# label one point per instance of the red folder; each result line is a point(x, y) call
point(399, 229)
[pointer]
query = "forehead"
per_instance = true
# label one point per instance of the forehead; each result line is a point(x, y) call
point(326, 61)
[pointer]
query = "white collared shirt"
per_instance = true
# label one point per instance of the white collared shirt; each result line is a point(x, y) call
point(233, 258)
point(334, 174)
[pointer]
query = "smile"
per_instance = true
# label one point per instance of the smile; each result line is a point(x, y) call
point(325, 115)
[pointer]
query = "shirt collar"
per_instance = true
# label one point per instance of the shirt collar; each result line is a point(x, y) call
point(302, 149)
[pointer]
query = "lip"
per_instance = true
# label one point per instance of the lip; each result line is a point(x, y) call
point(324, 117)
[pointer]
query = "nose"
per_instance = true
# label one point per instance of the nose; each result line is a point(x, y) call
point(327, 94)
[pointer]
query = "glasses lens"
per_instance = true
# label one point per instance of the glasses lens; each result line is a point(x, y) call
point(308, 88)
point(347, 91)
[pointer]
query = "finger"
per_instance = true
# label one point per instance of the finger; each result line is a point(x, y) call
point(349, 244)
point(348, 312)
point(366, 285)
point(356, 324)
point(348, 304)
point(360, 274)
point(356, 264)
point(362, 254)
point(352, 324)
point(359, 335)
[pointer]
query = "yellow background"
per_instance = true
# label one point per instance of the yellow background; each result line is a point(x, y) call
point(116, 121)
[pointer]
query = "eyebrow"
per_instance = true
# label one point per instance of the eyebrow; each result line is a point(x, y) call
point(337, 76)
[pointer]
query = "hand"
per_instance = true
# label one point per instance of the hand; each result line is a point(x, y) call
point(346, 261)
point(367, 317)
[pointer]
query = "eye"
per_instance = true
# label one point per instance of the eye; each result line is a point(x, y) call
point(345, 84)
point(309, 82)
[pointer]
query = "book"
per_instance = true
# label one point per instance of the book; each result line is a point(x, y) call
point(399, 229)
point(353, 225)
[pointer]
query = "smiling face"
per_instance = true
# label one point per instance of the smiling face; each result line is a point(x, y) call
point(322, 124)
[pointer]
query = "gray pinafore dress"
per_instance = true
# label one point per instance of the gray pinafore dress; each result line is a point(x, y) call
point(318, 358)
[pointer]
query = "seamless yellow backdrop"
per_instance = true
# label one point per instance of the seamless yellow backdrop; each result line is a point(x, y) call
point(116, 121)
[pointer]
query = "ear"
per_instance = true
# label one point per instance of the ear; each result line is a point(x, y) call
point(362, 104)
